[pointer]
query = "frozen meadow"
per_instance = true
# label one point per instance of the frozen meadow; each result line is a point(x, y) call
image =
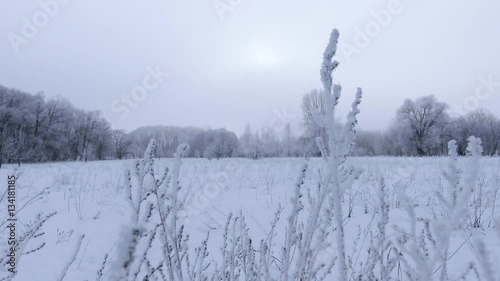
point(90, 199)
point(333, 217)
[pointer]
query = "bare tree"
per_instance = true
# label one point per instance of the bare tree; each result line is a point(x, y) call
point(419, 124)
point(313, 108)
point(121, 142)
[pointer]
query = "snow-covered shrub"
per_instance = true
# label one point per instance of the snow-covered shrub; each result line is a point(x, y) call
point(425, 246)
point(155, 204)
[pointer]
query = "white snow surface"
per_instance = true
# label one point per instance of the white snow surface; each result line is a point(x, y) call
point(89, 199)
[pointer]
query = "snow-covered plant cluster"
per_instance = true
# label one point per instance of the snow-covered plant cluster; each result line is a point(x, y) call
point(155, 224)
point(28, 239)
point(424, 247)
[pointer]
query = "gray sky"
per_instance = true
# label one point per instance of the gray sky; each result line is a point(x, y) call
point(236, 61)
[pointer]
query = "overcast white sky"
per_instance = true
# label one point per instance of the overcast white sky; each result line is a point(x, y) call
point(255, 63)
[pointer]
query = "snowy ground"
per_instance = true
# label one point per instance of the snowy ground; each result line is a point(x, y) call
point(88, 199)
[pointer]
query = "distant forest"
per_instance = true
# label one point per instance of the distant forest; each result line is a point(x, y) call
point(35, 129)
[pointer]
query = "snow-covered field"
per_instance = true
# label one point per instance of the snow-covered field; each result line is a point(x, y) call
point(89, 199)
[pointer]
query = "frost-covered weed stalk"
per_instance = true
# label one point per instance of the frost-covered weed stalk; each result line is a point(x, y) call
point(30, 239)
point(381, 259)
point(71, 258)
point(306, 254)
point(339, 175)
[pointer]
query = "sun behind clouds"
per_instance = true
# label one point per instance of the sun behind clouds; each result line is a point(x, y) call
point(263, 56)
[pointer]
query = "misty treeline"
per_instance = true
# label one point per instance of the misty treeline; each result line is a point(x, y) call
point(421, 127)
point(33, 129)
point(36, 129)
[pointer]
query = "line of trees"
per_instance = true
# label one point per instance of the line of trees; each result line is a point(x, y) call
point(36, 129)
point(423, 127)
point(33, 129)
point(212, 143)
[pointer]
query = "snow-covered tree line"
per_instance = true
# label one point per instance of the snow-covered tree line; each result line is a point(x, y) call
point(421, 127)
point(214, 143)
point(36, 129)
point(33, 129)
